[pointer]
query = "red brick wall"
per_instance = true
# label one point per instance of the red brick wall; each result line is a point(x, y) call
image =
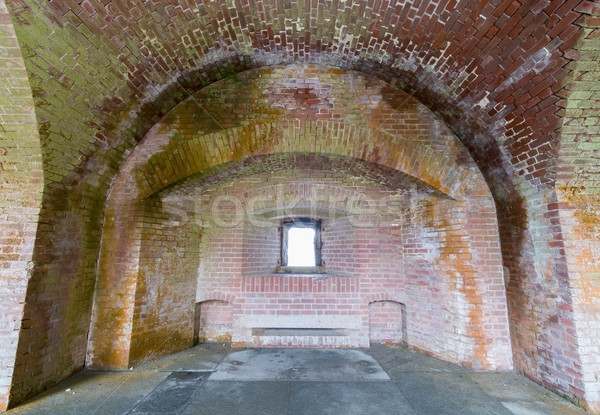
point(261, 247)
point(387, 321)
point(340, 246)
point(578, 205)
point(458, 252)
point(214, 320)
point(494, 71)
point(406, 248)
point(182, 150)
point(164, 305)
point(21, 187)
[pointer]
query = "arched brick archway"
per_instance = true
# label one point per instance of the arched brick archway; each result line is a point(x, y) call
point(512, 82)
point(175, 159)
point(377, 150)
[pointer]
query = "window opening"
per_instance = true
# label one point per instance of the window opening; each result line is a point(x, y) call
point(301, 243)
point(301, 247)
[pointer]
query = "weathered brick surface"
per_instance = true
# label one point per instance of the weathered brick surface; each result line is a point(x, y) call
point(214, 321)
point(374, 255)
point(578, 196)
point(500, 74)
point(181, 154)
point(387, 322)
point(163, 318)
point(415, 155)
point(21, 186)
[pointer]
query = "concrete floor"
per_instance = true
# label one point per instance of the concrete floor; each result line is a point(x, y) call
point(217, 380)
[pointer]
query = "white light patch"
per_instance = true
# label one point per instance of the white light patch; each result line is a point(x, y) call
point(301, 247)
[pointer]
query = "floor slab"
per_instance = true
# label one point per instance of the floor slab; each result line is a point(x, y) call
point(299, 364)
point(202, 358)
point(446, 393)
point(94, 392)
point(240, 398)
point(508, 386)
point(218, 380)
point(542, 408)
point(402, 359)
point(348, 398)
point(172, 395)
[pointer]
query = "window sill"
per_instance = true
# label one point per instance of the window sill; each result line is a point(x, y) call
point(316, 272)
point(300, 270)
point(296, 273)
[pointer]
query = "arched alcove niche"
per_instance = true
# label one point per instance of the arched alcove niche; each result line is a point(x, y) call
point(290, 131)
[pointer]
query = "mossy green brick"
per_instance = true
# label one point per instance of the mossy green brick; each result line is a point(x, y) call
point(100, 80)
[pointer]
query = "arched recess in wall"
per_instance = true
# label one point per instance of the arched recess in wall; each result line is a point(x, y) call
point(212, 321)
point(388, 322)
point(213, 317)
point(378, 134)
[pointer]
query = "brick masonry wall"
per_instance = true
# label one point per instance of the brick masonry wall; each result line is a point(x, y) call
point(371, 256)
point(387, 321)
point(460, 252)
point(261, 247)
point(102, 73)
point(578, 197)
point(214, 321)
point(21, 186)
point(183, 145)
point(339, 247)
point(163, 318)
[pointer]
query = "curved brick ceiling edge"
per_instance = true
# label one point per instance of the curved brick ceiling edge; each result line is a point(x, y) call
point(393, 179)
point(103, 74)
point(187, 163)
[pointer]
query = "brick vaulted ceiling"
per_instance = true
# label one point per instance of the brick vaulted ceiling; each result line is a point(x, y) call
point(105, 71)
point(516, 81)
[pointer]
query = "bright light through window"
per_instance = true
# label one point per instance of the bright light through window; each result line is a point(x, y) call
point(301, 247)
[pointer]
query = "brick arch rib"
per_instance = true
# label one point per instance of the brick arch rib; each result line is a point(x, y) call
point(375, 148)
